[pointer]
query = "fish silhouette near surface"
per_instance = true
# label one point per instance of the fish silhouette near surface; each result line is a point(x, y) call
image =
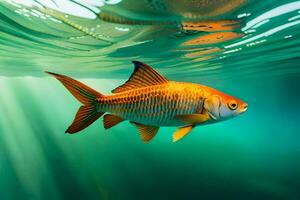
point(149, 100)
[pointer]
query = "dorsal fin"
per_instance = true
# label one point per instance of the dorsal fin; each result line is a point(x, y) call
point(142, 76)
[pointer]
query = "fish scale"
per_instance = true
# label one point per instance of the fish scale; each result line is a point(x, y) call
point(154, 104)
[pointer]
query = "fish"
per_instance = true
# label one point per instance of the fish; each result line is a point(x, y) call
point(209, 26)
point(149, 100)
point(213, 38)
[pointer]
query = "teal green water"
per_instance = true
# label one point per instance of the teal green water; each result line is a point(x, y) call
point(249, 49)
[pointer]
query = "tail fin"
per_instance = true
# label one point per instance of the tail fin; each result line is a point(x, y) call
point(87, 113)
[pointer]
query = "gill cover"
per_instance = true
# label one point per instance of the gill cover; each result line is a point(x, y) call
point(212, 105)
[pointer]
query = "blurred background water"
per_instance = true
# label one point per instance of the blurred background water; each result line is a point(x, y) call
point(247, 48)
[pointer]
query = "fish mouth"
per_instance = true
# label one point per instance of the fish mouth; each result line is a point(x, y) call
point(244, 109)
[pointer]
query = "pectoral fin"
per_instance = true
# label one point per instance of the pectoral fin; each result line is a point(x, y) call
point(181, 132)
point(193, 118)
point(147, 132)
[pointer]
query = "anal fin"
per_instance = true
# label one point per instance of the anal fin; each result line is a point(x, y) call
point(181, 132)
point(147, 132)
point(110, 120)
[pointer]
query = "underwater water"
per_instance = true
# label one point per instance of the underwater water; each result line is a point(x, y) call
point(247, 48)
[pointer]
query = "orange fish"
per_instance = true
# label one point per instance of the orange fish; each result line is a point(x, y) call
point(213, 38)
point(209, 26)
point(149, 100)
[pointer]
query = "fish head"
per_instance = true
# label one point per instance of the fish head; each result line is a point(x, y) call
point(221, 106)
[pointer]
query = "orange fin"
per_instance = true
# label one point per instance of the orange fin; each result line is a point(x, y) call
point(181, 132)
point(81, 92)
point(111, 120)
point(85, 116)
point(193, 118)
point(87, 113)
point(142, 76)
point(147, 132)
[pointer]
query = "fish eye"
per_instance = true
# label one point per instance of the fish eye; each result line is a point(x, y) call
point(232, 105)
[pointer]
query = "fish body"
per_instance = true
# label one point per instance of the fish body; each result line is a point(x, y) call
point(156, 105)
point(149, 101)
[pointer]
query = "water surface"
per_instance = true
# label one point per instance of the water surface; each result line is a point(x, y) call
point(249, 49)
